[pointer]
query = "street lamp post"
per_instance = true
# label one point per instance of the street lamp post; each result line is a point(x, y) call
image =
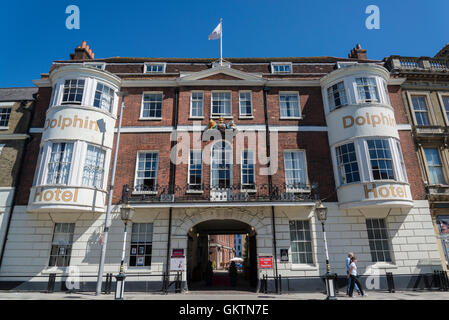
point(321, 212)
point(109, 206)
point(126, 214)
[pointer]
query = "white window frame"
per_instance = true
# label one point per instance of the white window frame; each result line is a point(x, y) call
point(147, 64)
point(137, 244)
point(246, 116)
point(191, 104)
point(188, 173)
point(59, 245)
point(231, 168)
point(113, 98)
point(273, 64)
point(6, 105)
point(430, 114)
point(442, 164)
point(241, 170)
point(72, 160)
point(142, 105)
point(211, 104)
point(306, 183)
point(97, 166)
point(393, 159)
point(299, 105)
point(83, 96)
point(387, 239)
point(332, 106)
point(311, 232)
point(137, 167)
point(356, 89)
point(339, 166)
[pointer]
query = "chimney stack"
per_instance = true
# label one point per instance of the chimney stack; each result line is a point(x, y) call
point(82, 52)
point(357, 53)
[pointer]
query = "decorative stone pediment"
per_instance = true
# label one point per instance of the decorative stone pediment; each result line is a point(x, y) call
point(221, 74)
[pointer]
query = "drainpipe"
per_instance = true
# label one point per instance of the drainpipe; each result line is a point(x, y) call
point(270, 177)
point(171, 186)
point(17, 181)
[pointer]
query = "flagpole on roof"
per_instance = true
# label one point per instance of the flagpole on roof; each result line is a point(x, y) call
point(221, 42)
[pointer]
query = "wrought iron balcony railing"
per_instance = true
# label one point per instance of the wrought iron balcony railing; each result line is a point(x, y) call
point(208, 193)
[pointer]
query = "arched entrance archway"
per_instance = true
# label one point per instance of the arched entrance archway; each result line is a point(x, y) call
point(209, 250)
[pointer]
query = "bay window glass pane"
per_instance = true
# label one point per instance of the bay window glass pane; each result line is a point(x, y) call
point(73, 91)
point(367, 89)
point(336, 95)
point(94, 167)
point(60, 163)
point(381, 159)
point(347, 163)
point(104, 97)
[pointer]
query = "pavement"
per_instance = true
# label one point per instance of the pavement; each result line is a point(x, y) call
point(223, 295)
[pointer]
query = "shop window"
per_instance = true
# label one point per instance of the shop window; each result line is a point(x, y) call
point(141, 245)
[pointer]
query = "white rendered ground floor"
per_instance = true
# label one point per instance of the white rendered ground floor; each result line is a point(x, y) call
point(406, 242)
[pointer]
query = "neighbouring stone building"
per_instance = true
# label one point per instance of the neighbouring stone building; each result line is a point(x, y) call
point(254, 142)
point(425, 93)
point(16, 109)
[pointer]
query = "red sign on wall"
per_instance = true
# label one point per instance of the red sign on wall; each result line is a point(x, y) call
point(266, 262)
point(177, 253)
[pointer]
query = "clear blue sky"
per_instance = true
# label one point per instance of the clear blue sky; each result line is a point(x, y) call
point(33, 33)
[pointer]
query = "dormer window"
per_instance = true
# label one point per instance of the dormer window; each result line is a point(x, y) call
point(155, 67)
point(98, 65)
point(281, 67)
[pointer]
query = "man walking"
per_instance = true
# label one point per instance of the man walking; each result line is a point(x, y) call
point(348, 264)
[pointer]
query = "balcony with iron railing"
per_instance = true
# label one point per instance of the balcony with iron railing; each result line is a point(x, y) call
point(210, 194)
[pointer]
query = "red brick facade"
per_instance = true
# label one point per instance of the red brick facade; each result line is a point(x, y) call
point(315, 143)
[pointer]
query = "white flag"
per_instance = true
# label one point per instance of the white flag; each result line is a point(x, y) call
point(216, 33)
